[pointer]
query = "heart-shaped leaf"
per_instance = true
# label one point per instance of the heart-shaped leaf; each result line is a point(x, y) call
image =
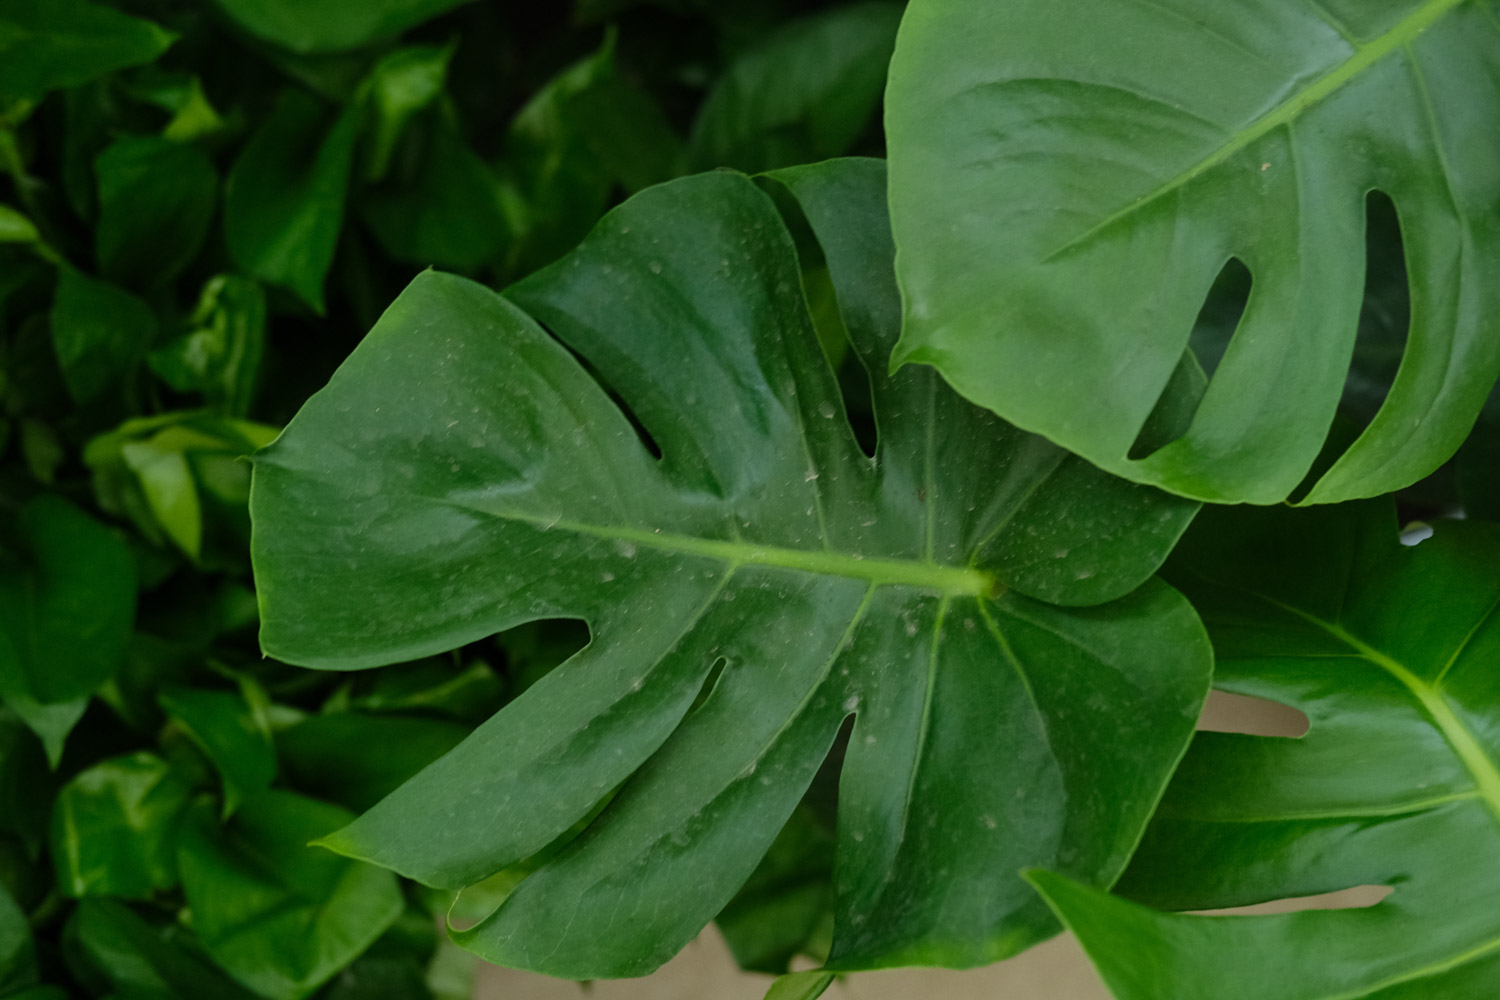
point(1066, 181)
point(1391, 653)
point(748, 593)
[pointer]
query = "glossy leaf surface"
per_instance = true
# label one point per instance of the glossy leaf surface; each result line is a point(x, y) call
point(747, 593)
point(278, 915)
point(1067, 180)
point(1390, 652)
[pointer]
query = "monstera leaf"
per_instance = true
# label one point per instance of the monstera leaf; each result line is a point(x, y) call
point(1391, 653)
point(748, 593)
point(1067, 180)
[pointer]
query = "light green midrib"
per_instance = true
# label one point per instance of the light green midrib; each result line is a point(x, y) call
point(1478, 763)
point(955, 581)
point(1365, 56)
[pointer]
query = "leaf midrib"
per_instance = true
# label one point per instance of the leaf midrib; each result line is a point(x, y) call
point(1364, 56)
point(1473, 756)
point(954, 581)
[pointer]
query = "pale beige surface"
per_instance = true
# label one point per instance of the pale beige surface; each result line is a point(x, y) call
point(1056, 970)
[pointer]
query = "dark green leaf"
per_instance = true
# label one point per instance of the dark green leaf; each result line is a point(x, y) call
point(156, 201)
point(67, 605)
point(1390, 652)
point(330, 755)
point(17, 950)
point(464, 473)
point(233, 735)
point(284, 198)
point(146, 962)
point(444, 209)
point(1066, 183)
point(45, 44)
point(100, 333)
point(25, 788)
point(278, 915)
point(331, 25)
point(221, 356)
point(114, 828)
point(804, 94)
point(402, 84)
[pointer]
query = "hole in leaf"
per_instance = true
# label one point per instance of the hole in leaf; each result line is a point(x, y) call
point(1217, 320)
point(1384, 314)
point(1239, 713)
point(647, 441)
point(532, 650)
point(1357, 897)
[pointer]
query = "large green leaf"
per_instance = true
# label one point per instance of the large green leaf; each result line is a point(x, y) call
point(45, 44)
point(1066, 181)
point(1391, 653)
point(749, 592)
point(279, 916)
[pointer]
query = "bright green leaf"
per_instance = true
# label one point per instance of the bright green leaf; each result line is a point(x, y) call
point(15, 227)
point(100, 333)
point(1066, 181)
point(156, 201)
point(278, 915)
point(331, 25)
point(46, 44)
point(114, 828)
point(141, 960)
point(402, 84)
point(1390, 652)
point(284, 197)
point(463, 473)
point(67, 604)
point(230, 733)
point(800, 986)
point(804, 94)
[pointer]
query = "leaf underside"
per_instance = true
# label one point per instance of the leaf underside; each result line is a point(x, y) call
point(1390, 652)
point(978, 601)
point(1063, 201)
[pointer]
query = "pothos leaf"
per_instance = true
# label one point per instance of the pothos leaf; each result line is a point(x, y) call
point(1390, 652)
point(760, 584)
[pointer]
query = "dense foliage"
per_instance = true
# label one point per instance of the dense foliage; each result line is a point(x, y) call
point(688, 604)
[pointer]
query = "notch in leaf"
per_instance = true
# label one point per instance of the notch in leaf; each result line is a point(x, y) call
point(978, 600)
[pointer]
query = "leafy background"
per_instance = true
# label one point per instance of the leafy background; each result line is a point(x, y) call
point(203, 207)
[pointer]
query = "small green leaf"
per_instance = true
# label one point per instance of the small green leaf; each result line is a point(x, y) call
point(804, 94)
point(800, 986)
point(114, 828)
point(329, 755)
point(221, 356)
point(156, 201)
point(230, 733)
point(17, 950)
point(46, 44)
point(100, 333)
point(67, 605)
point(331, 25)
point(1390, 651)
point(402, 84)
point(761, 583)
point(52, 722)
point(143, 960)
point(284, 198)
point(278, 915)
point(15, 227)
